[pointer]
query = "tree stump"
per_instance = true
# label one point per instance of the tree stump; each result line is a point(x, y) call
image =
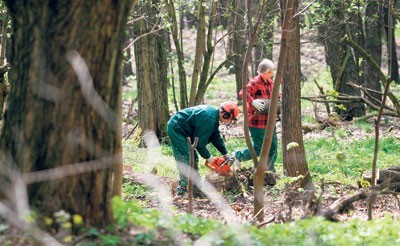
point(387, 178)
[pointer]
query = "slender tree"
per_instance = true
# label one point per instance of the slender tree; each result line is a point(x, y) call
point(65, 106)
point(179, 53)
point(288, 10)
point(237, 40)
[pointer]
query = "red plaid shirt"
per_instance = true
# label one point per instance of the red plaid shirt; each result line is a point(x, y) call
point(258, 88)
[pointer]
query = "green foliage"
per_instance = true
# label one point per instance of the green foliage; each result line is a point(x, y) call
point(365, 126)
point(110, 239)
point(312, 231)
point(190, 224)
point(344, 158)
point(130, 212)
point(133, 191)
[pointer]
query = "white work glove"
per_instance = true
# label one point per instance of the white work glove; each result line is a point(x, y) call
point(259, 105)
point(210, 159)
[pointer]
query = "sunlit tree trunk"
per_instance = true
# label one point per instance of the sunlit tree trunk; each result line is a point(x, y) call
point(55, 119)
point(183, 102)
point(200, 48)
point(151, 64)
point(294, 157)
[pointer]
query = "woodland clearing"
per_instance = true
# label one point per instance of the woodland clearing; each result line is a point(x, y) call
point(283, 203)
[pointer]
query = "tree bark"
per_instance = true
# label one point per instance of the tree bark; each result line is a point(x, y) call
point(339, 57)
point(237, 40)
point(200, 48)
point(294, 158)
point(373, 46)
point(389, 26)
point(58, 115)
point(179, 53)
point(151, 65)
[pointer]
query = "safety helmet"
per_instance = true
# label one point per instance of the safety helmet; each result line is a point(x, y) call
point(231, 110)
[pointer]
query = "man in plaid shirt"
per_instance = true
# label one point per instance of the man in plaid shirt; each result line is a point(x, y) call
point(259, 87)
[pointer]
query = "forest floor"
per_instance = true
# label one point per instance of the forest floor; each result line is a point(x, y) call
point(285, 204)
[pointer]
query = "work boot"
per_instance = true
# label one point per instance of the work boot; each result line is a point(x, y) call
point(197, 193)
point(182, 186)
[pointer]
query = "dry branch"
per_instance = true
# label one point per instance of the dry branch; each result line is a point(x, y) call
point(342, 205)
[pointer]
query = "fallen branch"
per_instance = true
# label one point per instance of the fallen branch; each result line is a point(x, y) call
point(343, 204)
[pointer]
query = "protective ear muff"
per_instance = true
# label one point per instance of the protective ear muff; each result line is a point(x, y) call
point(227, 115)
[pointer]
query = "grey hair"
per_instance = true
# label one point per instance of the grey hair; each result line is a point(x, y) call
point(265, 65)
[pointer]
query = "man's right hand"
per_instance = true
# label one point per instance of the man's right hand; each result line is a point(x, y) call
point(210, 159)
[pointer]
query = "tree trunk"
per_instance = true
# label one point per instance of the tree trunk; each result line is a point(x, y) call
point(55, 119)
point(373, 46)
point(339, 56)
point(294, 157)
point(265, 40)
point(179, 53)
point(237, 40)
point(389, 26)
point(288, 11)
point(200, 48)
point(151, 65)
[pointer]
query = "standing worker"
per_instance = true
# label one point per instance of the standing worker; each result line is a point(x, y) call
point(203, 122)
point(260, 87)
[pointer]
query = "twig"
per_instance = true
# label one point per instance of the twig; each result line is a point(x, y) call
point(303, 10)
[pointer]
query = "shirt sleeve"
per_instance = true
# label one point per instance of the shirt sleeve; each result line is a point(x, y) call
point(204, 128)
point(218, 142)
point(250, 90)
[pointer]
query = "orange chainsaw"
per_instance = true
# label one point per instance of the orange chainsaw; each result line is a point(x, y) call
point(220, 165)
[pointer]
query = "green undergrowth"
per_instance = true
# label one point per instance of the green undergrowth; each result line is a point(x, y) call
point(338, 156)
point(153, 227)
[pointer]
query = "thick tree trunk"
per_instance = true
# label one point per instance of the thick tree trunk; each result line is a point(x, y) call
point(55, 119)
point(294, 157)
point(151, 68)
point(373, 46)
point(339, 57)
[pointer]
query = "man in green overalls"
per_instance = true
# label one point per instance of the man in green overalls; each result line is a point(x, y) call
point(203, 122)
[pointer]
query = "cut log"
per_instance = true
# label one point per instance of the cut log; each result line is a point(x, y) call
point(386, 178)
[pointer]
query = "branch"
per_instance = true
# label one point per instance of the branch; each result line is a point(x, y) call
point(374, 65)
point(154, 29)
point(303, 10)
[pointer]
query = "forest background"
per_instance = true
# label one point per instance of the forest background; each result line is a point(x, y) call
point(63, 137)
